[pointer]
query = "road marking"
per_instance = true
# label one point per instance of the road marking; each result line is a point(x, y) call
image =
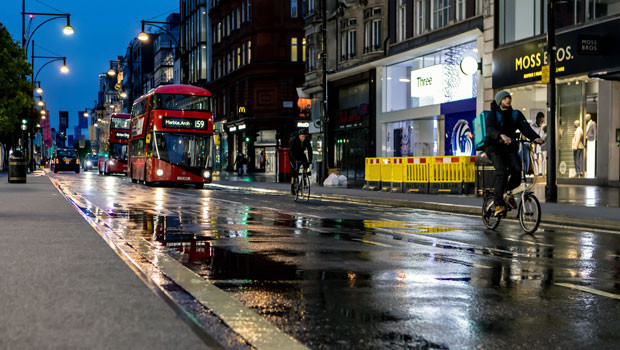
point(372, 242)
point(589, 290)
point(247, 323)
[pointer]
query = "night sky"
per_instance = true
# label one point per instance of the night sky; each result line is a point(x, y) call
point(103, 29)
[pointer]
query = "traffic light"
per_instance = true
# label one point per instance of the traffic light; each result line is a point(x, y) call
point(247, 139)
point(24, 121)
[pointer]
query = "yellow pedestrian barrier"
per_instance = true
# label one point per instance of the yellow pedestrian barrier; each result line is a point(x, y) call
point(386, 174)
point(398, 174)
point(372, 174)
point(446, 175)
point(469, 174)
point(416, 175)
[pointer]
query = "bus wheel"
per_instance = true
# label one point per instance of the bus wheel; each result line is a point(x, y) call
point(200, 185)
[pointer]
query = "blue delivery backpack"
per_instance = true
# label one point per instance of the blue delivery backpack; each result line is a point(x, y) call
point(480, 128)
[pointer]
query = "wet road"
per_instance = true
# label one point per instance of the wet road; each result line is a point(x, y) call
point(335, 275)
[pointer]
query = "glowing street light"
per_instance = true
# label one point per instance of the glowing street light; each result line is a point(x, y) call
point(39, 90)
point(64, 69)
point(41, 103)
point(42, 112)
point(123, 94)
point(68, 29)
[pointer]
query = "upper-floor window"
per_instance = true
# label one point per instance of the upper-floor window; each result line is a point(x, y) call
point(312, 58)
point(238, 18)
point(243, 12)
point(294, 50)
point(401, 21)
point(219, 32)
point(310, 6)
point(348, 44)
point(441, 13)
point(519, 19)
point(461, 10)
point(250, 51)
point(419, 17)
point(249, 11)
point(372, 35)
point(294, 11)
point(303, 49)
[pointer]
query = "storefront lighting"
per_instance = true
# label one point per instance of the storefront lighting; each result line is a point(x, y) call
point(469, 65)
point(242, 127)
point(303, 124)
point(404, 80)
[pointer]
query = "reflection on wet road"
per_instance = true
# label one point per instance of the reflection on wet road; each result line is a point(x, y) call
point(341, 275)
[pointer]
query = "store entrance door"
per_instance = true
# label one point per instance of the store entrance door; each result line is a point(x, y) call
point(350, 154)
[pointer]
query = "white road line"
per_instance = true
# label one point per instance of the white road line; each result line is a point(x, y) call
point(589, 290)
point(247, 323)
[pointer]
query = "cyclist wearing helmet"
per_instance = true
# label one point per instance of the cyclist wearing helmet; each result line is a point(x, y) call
point(298, 145)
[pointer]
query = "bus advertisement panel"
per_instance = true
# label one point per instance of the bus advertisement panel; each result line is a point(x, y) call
point(170, 136)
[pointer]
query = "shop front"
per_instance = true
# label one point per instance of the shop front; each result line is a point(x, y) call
point(428, 104)
point(350, 127)
point(586, 107)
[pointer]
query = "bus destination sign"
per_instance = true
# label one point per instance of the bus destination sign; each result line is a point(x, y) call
point(122, 135)
point(184, 123)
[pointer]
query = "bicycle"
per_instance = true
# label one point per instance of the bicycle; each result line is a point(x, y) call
point(529, 212)
point(302, 183)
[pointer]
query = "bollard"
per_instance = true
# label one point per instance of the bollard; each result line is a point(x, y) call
point(17, 167)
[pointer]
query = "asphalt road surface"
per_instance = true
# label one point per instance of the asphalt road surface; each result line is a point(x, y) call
point(335, 274)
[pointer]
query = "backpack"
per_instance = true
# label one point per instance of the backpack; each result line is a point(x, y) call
point(480, 128)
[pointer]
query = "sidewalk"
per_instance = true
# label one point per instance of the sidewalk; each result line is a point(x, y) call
point(583, 206)
point(63, 287)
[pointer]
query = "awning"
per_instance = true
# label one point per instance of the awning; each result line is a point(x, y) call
point(607, 74)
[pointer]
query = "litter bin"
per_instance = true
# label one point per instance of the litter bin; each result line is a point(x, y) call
point(284, 165)
point(17, 167)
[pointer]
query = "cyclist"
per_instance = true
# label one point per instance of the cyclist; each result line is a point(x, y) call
point(298, 145)
point(502, 147)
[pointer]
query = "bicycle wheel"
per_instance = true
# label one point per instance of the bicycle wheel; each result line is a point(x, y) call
point(488, 212)
point(529, 213)
point(306, 187)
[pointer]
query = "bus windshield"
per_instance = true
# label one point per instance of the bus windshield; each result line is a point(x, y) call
point(185, 150)
point(119, 123)
point(118, 151)
point(175, 102)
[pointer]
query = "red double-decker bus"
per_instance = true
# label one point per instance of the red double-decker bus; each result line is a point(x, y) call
point(114, 144)
point(170, 138)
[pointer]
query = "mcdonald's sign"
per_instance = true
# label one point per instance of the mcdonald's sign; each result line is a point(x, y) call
point(241, 110)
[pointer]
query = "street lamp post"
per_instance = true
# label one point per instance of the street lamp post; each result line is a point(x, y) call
point(325, 116)
point(551, 189)
point(144, 36)
point(67, 29)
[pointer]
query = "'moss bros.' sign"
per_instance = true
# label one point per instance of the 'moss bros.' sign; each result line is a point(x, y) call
point(578, 51)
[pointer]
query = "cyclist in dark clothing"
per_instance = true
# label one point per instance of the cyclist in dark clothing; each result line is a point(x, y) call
point(297, 146)
point(502, 147)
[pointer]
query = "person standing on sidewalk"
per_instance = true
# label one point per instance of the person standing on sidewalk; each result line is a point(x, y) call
point(538, 128)
point(502, 147)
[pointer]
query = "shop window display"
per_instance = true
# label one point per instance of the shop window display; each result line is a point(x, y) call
point(415, 138)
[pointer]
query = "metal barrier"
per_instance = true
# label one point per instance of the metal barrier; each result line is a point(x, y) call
point(469, 174)
point(372, 174)
point(416, 175)
point(386, 174)
point(454, 175)
point(398, 174)
point(446, 175)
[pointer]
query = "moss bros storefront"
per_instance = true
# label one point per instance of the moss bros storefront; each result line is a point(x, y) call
point(588, 98)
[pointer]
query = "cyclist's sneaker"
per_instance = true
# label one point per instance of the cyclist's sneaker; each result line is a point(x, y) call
point(293, 189)
point(500, 210)
point(510, 200)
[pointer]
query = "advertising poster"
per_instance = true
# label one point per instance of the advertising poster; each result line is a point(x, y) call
point(459, 134)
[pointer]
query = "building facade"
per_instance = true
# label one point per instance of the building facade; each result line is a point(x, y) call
point(588, 91)
point(258, 64)
point(195, 58)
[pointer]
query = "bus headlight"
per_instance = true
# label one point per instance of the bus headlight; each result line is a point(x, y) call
point(89, 163)
point(111, 162)
point(206, 174)
point(159, 172)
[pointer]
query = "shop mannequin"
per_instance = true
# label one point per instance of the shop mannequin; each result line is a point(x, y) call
point(590, 146)
point(538, 127)
point(578, 146)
